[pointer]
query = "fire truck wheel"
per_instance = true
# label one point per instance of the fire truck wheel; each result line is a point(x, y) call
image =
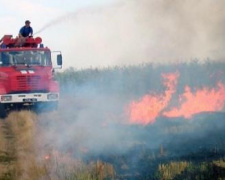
point(2, 111)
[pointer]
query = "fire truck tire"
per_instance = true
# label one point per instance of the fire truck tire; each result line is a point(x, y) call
point(2, 111)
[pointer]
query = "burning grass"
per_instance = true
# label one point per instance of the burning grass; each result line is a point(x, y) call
point(167, 149)
point(91, 136)
point(61, 166)
point(181, 106)
point(35, 161)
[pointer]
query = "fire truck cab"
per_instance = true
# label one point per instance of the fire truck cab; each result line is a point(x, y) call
point(27, 75)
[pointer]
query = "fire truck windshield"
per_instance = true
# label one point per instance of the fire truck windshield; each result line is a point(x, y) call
point(28, 58)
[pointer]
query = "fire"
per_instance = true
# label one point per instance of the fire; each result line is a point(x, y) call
point(201, 101)
point(47, 157)
point(150, 106)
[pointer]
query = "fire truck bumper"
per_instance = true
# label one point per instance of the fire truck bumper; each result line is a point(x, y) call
point(29, 98)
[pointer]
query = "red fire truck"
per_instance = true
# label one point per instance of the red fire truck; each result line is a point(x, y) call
point(27, 74)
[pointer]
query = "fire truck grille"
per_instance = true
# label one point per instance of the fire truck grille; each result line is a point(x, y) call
point(28, 82)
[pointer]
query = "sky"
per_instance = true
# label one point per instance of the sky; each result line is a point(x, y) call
point(41, 13)
point(105, 33)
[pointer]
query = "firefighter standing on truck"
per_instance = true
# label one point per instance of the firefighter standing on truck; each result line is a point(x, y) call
point(25, 32)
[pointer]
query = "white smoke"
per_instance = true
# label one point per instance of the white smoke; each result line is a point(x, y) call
point(133, 32)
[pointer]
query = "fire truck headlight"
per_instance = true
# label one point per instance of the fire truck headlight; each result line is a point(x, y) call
point(53, 96)
point(6, 98)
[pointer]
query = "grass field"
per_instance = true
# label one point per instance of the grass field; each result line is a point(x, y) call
point(92, 137)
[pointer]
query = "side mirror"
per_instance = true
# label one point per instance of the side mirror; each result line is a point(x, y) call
point(59, 59)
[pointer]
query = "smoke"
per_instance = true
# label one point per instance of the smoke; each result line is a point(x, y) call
point(92, 111)
point(91, 121)
point(133, 32)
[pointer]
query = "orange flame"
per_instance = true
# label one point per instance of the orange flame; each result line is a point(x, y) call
point(47, 157)
point(201, 101)
point(150, 106)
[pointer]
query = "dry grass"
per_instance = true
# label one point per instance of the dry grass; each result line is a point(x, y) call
point(171, 170)
point(2, 138)
point(39, 160)
point(35, 161)
point(62, 166)
point(3, 150)
point(22, 126)
point(220, 163)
